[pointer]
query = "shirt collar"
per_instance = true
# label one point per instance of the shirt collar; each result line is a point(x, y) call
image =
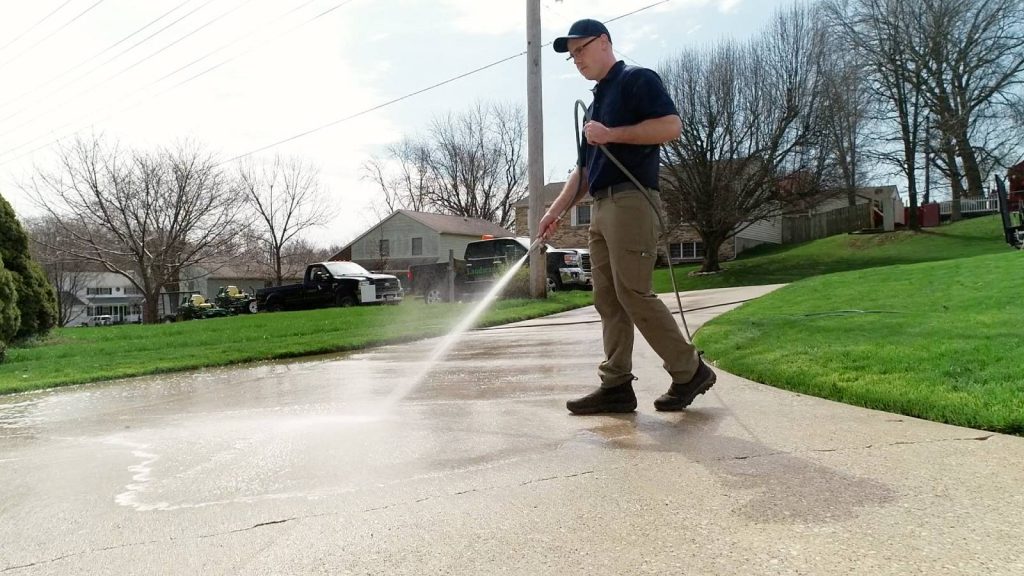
point(613, 73)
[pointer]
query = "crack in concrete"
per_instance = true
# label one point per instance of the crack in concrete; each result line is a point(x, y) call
point(74, 554)
point(850, 448)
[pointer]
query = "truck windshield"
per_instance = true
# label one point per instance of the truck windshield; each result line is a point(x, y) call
point(345, 269)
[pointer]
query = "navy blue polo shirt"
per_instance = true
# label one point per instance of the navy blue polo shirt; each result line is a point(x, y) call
point(627, 95)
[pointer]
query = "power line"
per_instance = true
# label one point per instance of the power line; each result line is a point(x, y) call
point(189, 79)
point(51, 34)
point(417, 92)
point(36, 25)
point(379, 106)
point(352, 116)
point(87, 60)
point(123, 70)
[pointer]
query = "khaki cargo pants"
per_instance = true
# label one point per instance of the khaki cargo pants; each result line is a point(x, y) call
point(623, 248)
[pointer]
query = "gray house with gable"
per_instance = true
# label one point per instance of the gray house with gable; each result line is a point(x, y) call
point(407, 238)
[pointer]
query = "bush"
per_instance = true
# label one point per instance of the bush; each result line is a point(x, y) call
point(519, 285)
point(10, 316)
point(35, 297)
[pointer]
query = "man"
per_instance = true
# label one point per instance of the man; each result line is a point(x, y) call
point(632, 114)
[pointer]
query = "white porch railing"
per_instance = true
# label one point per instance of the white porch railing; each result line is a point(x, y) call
point(970, 206)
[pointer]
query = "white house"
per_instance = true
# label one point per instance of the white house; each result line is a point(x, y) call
point(407, 238)
point(94, 293)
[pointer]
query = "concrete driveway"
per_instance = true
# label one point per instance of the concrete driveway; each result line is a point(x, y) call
point(306, 468)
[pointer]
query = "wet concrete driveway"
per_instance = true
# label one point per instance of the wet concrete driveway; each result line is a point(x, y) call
point(307, 468)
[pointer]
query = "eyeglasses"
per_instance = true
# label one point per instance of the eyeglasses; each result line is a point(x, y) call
point(574, 54)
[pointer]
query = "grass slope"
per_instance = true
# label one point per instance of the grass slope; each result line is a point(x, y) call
point(784, 264)
point(937, 340)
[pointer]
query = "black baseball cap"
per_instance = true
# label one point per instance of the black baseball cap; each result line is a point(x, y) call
point(585, 28)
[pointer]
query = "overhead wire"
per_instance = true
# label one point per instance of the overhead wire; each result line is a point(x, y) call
point(36, 25)
point(89, 59)
point(179, 69)
point(339, 120)
point(136, 63)
point(51, 34)
point(411, 94)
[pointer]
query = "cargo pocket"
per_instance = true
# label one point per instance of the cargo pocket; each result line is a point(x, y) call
point(636, 269)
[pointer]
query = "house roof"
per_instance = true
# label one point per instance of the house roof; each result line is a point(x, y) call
point(460, 225)
point(442, 224)
point(71, 299)
point(551, 191)
point(229, 270)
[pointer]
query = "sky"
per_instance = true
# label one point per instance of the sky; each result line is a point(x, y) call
point(252, 77)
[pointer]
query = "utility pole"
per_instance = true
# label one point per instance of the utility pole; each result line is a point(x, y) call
point(535, 146)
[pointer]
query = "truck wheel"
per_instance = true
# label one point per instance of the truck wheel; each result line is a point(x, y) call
point(344, 300)
point(554, 282)
point(251, 308)
point(433, 295)
point(273, 306)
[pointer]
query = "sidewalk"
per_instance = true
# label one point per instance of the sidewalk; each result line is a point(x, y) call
point(288, 469)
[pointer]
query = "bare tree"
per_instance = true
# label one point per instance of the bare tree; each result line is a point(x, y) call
point(973, 53)
point(846, 114)
point(66, 273)
point(288, 199)
point(469, 164)
point(403, 177)
point(145, 216)
point(882, 34)
point(752, 138)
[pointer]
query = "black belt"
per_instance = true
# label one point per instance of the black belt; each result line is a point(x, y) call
point(607, 191)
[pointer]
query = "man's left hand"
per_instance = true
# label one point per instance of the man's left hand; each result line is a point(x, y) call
point(597, 134)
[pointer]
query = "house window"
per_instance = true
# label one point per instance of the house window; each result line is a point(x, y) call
point(417, 246)
point(581, 215)
point(385, 248)
point(686, 250)
point(131, 291)
point(98, 291)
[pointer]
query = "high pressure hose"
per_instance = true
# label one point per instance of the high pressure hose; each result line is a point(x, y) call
point(580, 162)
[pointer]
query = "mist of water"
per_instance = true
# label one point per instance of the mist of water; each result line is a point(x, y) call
point(456, 333)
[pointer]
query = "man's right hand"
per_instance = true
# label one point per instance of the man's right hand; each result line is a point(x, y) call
point(548, 225)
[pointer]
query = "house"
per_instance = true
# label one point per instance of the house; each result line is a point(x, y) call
point(885, 201)
point(93, 292)
point(1015, 178)
point(406, 238)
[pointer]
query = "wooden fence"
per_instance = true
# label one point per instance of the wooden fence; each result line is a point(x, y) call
point(801, 228)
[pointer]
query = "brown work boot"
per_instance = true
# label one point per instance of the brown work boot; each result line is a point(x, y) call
point(616, 399)
point(680, 395)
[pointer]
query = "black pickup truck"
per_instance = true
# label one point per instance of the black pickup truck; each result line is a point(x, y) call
point(483, 261)
point(331, 284)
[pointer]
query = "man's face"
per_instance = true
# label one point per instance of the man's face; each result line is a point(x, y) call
point(584, 53)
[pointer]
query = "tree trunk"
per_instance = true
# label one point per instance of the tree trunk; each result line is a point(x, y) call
point(955, 182)
point(151, 310)
point(711, 261)
point(975, 186)
point(910, 156)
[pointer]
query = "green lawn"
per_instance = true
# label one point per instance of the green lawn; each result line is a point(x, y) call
point(937, 340)
point(784, 264)
point(77, 355)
